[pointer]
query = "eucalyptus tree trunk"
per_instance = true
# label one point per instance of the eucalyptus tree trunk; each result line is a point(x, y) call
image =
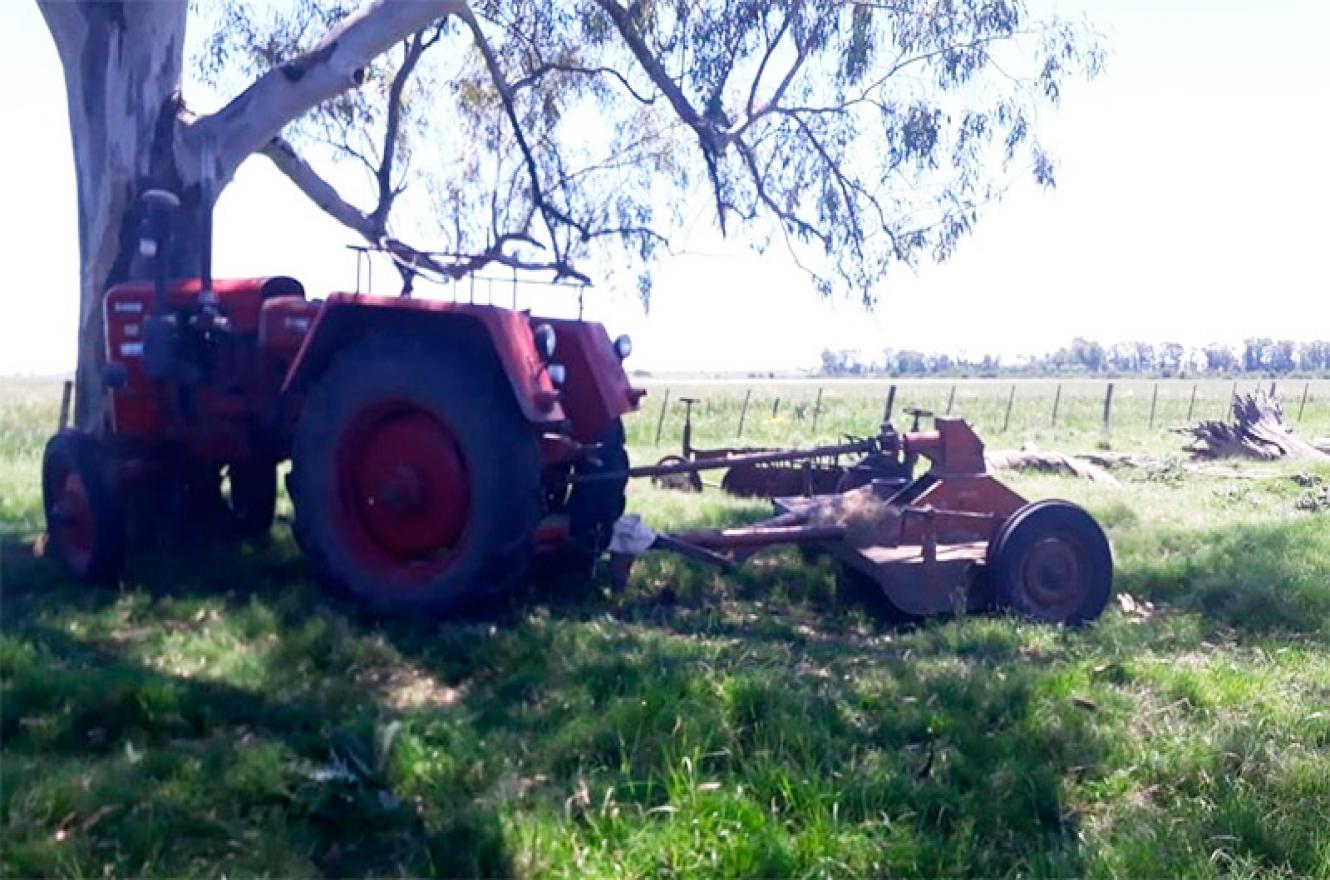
point(122, 63)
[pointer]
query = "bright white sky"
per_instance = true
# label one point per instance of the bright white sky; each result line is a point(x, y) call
point(1194, 180)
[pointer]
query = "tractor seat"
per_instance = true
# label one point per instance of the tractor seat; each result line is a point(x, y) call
point(281, 285)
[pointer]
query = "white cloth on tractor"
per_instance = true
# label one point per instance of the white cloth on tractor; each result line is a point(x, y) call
point(631, 536)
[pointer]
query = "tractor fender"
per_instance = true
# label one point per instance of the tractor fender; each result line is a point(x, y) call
point(499, 335)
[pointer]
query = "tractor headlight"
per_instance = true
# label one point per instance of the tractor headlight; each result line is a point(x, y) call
point(545, 340)
point(623, 346)
point(558, 374)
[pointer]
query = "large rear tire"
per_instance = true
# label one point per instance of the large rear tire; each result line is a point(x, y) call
point(415, 478)
point(85, 522)
point(1051, 562)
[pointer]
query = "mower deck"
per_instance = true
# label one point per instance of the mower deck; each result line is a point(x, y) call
point(952, 539)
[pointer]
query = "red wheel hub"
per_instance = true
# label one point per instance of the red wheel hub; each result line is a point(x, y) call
point(405, 490)
point(71, 521)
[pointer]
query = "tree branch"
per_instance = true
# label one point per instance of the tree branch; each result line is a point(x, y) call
point(336, 64)
point(412, 50)
point(319, 191)
point(660, 77)
point(555, 67)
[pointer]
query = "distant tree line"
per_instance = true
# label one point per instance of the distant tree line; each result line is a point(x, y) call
point(1258, 355)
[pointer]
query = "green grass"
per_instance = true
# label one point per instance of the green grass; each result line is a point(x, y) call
point(781, 412)
point(218, 716)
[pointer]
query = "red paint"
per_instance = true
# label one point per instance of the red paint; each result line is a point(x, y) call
point(958, 483)
point(597, 390)
point(405, 496)
point(249, 360)
point(347, 316)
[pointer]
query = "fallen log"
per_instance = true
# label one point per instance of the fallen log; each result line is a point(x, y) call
point(1258, 431)
point(1031, 459)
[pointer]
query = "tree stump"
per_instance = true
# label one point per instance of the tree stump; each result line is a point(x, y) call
point(1258, 432)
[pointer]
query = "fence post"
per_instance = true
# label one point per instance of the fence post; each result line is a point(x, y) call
point(1192, 406)
point(1057, 399)
point(1108, 407)
point(743, 413)
point(891, 404)
point(65, 394)
point(1302, 406)
point(817, 409)
point(951, 398)
point(1154, 400)
point(660, 422)
point(1006, 419)
point(775, 408)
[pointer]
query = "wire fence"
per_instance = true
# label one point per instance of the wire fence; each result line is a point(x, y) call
point(802, 412)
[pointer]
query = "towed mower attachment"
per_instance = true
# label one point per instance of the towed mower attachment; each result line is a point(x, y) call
point(953, 539)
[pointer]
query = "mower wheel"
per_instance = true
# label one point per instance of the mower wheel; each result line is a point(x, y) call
point(1051, 562)
point(416, 480)
point(682, 482)
point(85, 523)
point(253, 498)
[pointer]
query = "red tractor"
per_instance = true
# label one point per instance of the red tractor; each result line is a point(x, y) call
point(433, 445)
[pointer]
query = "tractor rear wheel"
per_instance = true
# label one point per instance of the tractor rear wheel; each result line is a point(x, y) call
point(415, 478)
point(1051, 562)
point(85, 523)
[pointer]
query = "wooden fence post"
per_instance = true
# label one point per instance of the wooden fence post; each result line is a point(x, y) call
point(817, 409)
point(743, 413)
point(660, 422)
point(1154, 400)
point(65, 395)
point(891, 404)
point(1191, 407)
point(1303, 406)
point(951, 398)
point(1108, 407)
point(1057, 399)
point(1011, 398)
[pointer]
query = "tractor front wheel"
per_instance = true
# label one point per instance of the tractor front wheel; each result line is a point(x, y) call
point(415, 478)
point(85, 523)
point(1051, 562)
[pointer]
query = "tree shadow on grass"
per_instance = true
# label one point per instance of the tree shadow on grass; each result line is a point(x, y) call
point(113, 764)
point(1254, 580)
point(768, 742)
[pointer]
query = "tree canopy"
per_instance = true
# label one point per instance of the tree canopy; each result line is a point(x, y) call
point(568, 137)
point(555, 136)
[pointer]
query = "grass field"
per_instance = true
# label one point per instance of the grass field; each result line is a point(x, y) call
point(218, 716)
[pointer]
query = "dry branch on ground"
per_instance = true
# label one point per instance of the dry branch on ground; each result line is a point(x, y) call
point(1029, 458)
point(1258, 431)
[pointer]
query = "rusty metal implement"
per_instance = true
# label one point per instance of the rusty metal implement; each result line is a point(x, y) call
point(952, 539)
